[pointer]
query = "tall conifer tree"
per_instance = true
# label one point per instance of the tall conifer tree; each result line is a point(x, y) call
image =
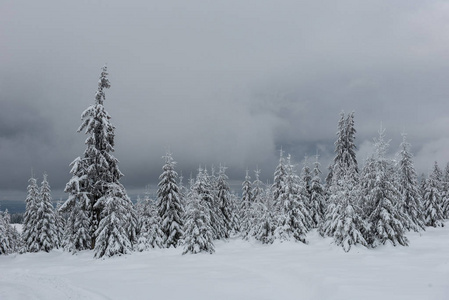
point(47, 235)
point(224, 202)
point(246, 205)
point(279, 182)
point(408, 186)
point(317, 196)
point(432, 202)
point(29, 235)
point(343, 173)
point(382, 197)
point(294, 220)
point(97, 175)
point(169, 205)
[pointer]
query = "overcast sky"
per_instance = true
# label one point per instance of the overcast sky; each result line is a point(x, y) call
point(218, 81)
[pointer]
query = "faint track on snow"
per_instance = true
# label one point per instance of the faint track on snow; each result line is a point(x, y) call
point(28, 286)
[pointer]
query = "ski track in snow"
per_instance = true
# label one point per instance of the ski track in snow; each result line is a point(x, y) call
point(239, 270)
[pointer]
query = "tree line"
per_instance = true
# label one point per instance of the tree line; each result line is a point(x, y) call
point(375, 205)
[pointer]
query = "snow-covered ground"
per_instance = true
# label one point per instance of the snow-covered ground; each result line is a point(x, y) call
point(239, 270)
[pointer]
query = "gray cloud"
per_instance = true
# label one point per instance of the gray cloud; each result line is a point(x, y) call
point(227, 82)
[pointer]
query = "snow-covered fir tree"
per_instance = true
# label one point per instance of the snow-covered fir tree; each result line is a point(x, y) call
point(130, 220)
point(258, 191)
point(383, 199)
point(97, 175)
point(432, 199)
point(345, 218)
point(150, 233)
point(306, 176)
point(317, 201)
point(445, 184)
point(5, 243)
point(77, 234)
point(294, 220)
point(204, 188)
point(139, 208)
point(10, 241)
point(343, 168)
point(246, 206)
point(279, 182)
point(235, 212)
point(265, 220)
point(183, 191)
point(408, 186)
point(224, 202)
point(112, 236)
point(46, 231)
point(304, 191)
point(198, 232)
point(60, 223)
point(29, 234)
point(345, 157)
point(257, 206)
point(169, 205)
point(217, 217)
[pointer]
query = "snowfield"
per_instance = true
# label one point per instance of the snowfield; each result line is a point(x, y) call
point(239, 270)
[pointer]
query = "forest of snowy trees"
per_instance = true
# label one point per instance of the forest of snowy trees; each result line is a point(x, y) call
point(372, 205)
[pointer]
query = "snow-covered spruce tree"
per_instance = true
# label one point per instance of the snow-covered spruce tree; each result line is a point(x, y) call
point(279, 182)
point(294, 219)
point(47, 235)
point(139, 208)
point(344, 167)
point(169, 205)
point(317, 201)
point(131, 222)
point(150, 233)
point(432, 199)
point(258, 191)
point(29, 234)
point(99, 174)
point(306, 176)
point(235, 212)
point(202, 186)
point(60, 224)
point(387, 220)
point(183, 191)
point(422, 184)
point(206, 191)
point(246, 206)
point(217, 217)
point(446, 192)
point(265, 220)
point(257, 205)
point(328, 180)
point(198, 232)
point(112, 238)
point(346, 218)
point(5, 243)
point(10, 241)
point(77, 234)
point(224, 202)
point(304, 189)
point(142, 210)
point(345, 158)
point(411, 201)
